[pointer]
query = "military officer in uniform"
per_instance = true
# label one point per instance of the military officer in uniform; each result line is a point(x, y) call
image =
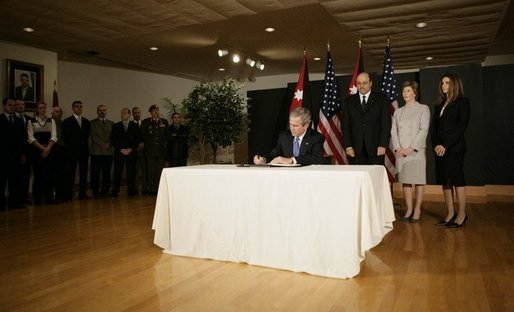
point(154, 132)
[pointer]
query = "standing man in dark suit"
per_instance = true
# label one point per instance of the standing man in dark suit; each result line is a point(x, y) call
point(60, 158)
point(154, 131)
point(101, 152)
point(75, 135)
point(124, 138)
point(24, 91)
point(366, 124)
point(25, 165)
point(301, 145)
point(177, 149)
point(13, 139)
point(141, 177)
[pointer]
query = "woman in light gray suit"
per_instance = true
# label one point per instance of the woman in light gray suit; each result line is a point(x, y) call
point(409, 135)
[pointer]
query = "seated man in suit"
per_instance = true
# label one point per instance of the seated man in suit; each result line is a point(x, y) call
point(301, 145)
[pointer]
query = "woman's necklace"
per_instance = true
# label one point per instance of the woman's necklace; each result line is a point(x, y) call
point(42, 125)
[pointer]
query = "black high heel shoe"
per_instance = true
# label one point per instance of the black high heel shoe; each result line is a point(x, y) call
point(456, 225)
point(444, 223)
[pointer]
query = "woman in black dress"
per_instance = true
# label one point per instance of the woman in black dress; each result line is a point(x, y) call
point(449, 123)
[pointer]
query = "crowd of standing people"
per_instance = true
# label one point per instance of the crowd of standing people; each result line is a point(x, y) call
point(368, 129)
point(51, 149)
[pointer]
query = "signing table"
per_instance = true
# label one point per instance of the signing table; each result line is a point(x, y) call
point(316, 219)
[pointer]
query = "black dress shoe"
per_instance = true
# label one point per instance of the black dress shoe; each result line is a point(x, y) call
point(444, 223)
point(453, 224)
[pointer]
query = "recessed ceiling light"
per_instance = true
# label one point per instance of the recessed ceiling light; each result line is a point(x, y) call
point(421, 25)
point(154, 48)
point(429, 58)
point(28, 29)
point(221, 69)
point(236, 58)
point(317, 58)
point(270, 29)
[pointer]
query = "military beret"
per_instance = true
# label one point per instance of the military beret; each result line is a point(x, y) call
point(155, 106)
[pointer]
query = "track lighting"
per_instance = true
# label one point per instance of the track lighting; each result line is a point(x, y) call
point(250, 62)
point(222, 53)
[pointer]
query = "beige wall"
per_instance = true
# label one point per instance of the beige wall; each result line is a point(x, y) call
point(116, 88)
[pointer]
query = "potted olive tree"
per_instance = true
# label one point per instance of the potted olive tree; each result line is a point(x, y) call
point(215, 113)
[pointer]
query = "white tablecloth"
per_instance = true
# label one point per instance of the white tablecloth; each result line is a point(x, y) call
point(315, 219)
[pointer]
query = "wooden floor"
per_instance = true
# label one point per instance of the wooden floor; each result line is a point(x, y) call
point(98, 255)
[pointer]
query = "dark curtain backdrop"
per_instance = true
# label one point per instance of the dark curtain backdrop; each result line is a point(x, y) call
point(490, 156)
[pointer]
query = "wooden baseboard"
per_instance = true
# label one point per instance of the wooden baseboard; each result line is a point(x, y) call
point(475, 194)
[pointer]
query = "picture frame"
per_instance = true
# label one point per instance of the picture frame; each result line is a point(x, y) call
point(25, 81)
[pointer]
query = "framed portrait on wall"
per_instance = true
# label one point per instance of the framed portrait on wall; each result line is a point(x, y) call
point(25, 82)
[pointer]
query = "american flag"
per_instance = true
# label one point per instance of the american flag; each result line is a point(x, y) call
point(329, 123)
point(389, 89)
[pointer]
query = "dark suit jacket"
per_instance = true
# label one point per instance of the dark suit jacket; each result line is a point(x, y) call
point(29, 95)
point(76, 137)
point(448, 130)
point(121, 139)
point(13, 138)
point(311, 149)
point(368, 128)
point(177, 143)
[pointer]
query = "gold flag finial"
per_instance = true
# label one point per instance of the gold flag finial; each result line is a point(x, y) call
point(388, 40)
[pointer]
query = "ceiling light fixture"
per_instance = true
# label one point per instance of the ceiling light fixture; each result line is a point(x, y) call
point(429, 58)
point(259, 65)
point(236, 58)
point(154, 48)
point(317, 58)
point(221, 69)
point(270, 29)
point(421, 25)
point(222, 53)
point(28, 29)
point(250, 62)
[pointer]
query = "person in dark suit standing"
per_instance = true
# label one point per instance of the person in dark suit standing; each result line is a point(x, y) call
point(154, 131)
point(125, 140)
point(60, 158)
point(13, 137)
point(25, 166)
point(141, 177)
point(366, 124)
point(24, 91)
point(449, 123)
point(300, 145)
point(177, 149)
point(75, 135)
